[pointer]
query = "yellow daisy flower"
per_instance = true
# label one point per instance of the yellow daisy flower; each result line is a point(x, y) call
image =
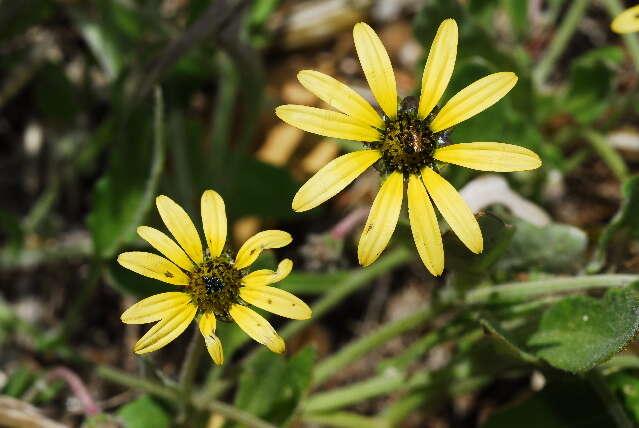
point(215, 286)
point(404, 144)
point(627, 21)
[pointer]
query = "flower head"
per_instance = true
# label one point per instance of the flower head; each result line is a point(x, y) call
point(214, 285)
point(405, 144)
point(627, 21)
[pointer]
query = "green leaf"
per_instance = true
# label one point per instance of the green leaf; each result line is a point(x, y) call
point(580, 332)
point(18, 382)
point(624, 225)
point(558, 405)
point(144, 412)
point(271, 386)
point(556, 248)
point(467, 268)
point(311, 282)
point(124, 195)
point(626, 384)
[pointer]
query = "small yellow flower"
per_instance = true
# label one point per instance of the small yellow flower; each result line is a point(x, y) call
point(404, 144)
point(627, 21)
point(216, 286)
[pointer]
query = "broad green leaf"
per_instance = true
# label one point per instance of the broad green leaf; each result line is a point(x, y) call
point(271, 386)
point(559, 405)
point(556, 248)
point(18, 382)
point(579, 332)
point(624, 225)
point(496, 330)
point(124, 195)
point(144, 412)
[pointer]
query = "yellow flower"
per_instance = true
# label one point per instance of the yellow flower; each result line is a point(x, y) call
point(404, 144)
point(627, 21)
point(215, 286)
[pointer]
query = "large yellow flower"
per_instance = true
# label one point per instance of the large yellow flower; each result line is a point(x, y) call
point(404, 144)
point(215, 286)
point(627, 21)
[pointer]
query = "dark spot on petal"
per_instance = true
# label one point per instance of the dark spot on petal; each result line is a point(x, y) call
point(269, 301)
point(168, 274)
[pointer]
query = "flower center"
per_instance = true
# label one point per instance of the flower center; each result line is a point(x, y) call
point(408, 144)
point(214, 286)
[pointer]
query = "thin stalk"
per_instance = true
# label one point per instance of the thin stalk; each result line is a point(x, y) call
point(126, 379)
point(607, 153)
point(615, 408)
point(345, 420)
point(615, 7)
point(223, 111)
point(560, 41)
point(365, 344)
point(546, 286)
point(191, 363)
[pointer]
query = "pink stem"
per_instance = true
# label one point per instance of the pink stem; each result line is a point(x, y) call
point(348, 223)
point(77, 387)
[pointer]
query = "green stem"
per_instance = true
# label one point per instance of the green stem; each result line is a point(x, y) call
point(223, 111)
point(615, 408)
point(615, 7)
point(607, 153)
point(369, 342)
point(171, 394)
point(345, 420)
point(546, 286)
point(191, 363)
point(560, 41)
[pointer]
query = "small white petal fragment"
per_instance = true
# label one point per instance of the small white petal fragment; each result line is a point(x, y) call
point(277, 301)
point(474, 99)
point(154, 308)
point(328, 123)
point(382, 219)
point(153, 266)
point(485, 156)
point(213, 343)
point(424, 226)
point(439, 66)
point(214, 221)
point(166, 246)
point(454, 209)
point(257, 327)
point(180, 225)
point(266, 276)
point(166, 330)
point(377, 67)
point(333, 178)
point(338, 95)
point(253, 247)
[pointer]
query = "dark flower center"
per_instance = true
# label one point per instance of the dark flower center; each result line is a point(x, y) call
point(408, 144)
point(214, 286)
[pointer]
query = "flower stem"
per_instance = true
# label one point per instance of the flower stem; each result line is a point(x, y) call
point(607, 153)
point(191, 363)
point(615, 7)
point(560, 41)
point(546, 286)
point(615, 408)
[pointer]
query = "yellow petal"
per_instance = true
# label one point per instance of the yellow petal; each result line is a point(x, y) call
point(627, 21)
point(266, 276)
point(473, 99)
point(213, 343)
point(214, 221)
point(381, 220)
point(165, 330)
point(340, 96)
point(377, 67)
point(257, 327)
point(166, 246)
point(252, 248)
point(180, 225)
point(327, 123)
point(454, 209)
point(423, 224)
point(154, 308)
point(277, 301)
point(439, 66)
point(498, 157)
point(153, 266)
point(333, 178)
